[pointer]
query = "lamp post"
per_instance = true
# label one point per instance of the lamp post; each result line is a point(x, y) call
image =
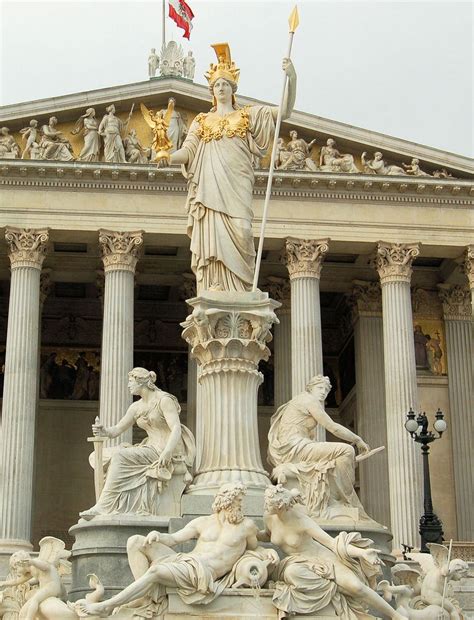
point(431, 528)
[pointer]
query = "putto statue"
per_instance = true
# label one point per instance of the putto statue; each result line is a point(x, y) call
point(414, 169)
point(218, 157)
point(331, 160)
point(9, 149)
point(320, 571)
point(153, 63)
point(324, 471)
point(30, 134)
point(377, 165)
point(137, 475)
point(89, 126)
point(47, 600)
point(225, 541)
point(189, 66)
point(297, 155)
point(53, 144)
point(171, 60)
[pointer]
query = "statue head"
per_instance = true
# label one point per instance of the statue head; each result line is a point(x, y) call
point(378, 155)
point(458, 569)
point(224, 69)
point(223, 90)
point(53, 121)
point(331, 142)
point(110, 109)
point(4, 131)
point(140, 378)
point(415, 162)
point(228, 500)
point(153, 50)
point(19, 562)
point(319, 386)
point(278, 498)
point(33, 123)
point(293, 134)
point(90, 112)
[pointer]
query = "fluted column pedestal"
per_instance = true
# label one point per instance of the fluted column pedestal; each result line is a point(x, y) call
point(120, 252)
point(20, 394)
point(304, 258)
point(228, 333)
point(404, 460)
point(370, 381)
point(279, 289)
point(460, 352)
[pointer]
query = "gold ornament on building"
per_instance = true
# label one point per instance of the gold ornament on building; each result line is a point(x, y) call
point(159, 123)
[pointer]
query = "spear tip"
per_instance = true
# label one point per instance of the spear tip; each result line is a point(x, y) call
point(294, 19)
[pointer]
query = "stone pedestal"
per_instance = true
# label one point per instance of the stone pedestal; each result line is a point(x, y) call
point(371, 423)
point(27, 249)
point(304, 259)
point(120, 252)
point(101, 548)
point(404, 457)
point(460, 351)
point(228, 333)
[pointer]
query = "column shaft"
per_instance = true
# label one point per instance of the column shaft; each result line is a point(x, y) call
point(20, 393)
point(282, 355)
point(371, 422)
point(117, 350)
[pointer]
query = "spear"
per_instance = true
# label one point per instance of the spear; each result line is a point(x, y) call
point(293, 22)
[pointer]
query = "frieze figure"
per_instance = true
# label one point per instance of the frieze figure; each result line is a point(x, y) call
point(176, 125)
point(31, 135)
point(88, 125)
point(377, 165)
point(331, 160)
point(413, 169)
point(9, 148)
point(111, 128)
point(134, 151)
point(299, 157)
point(53, 144)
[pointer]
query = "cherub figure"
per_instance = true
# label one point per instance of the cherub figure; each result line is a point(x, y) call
point(414, 169)
point(159, 123)
point(46, 570)
point(30, 134)
point(438, 569)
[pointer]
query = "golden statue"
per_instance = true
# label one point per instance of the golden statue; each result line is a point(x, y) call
point(159, 123)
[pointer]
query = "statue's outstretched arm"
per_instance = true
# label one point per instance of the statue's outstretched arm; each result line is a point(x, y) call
point(181, 156)
point(124, 424)
point(189, 531)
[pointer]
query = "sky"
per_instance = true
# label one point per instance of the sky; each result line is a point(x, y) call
point(401, 68)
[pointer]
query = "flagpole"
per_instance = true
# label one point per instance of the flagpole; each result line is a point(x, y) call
point(163, 22)
point(293, 24)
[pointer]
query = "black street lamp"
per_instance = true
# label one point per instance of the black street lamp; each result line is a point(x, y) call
point(431, 528)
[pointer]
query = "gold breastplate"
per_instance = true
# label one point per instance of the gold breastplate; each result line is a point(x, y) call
point(214, 127)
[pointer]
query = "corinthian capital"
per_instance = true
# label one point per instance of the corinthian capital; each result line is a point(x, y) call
point(120, 250)
point(366, 298)
point(394, 261)
point(456, 302)
point(468, 265)
point(27, 246)
point(304, 257)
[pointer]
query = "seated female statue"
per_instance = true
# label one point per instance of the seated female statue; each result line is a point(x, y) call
point(320, 570)
point(136, 475)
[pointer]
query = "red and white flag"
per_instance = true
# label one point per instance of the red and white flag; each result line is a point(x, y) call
point(181, 13)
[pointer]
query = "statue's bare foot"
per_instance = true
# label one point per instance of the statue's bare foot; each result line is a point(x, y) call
point(84, 608)
point(89, 514)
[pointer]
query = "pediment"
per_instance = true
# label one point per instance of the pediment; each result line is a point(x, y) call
point(192, 99)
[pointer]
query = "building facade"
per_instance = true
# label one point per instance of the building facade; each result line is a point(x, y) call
point(374, 269)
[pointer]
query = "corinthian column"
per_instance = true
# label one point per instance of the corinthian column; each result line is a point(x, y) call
point(394, 265)
point(279, 289)
point(468, 268)
point(304, 259)
point(120, 253)
point(460, 351)
point(27, 251)
point(366, 301)
point(228, 333)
